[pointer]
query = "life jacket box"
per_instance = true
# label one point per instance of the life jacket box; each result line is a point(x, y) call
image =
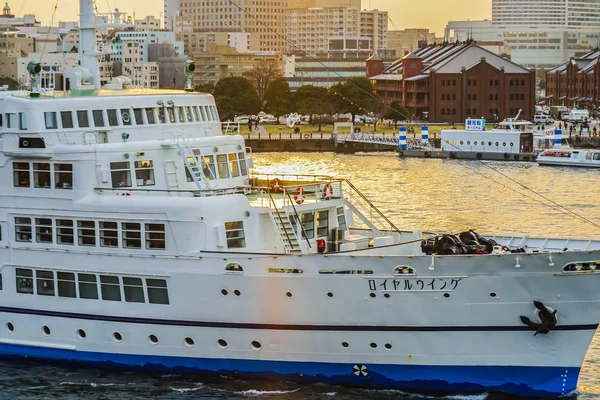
point(360, 241)
point(383, 241)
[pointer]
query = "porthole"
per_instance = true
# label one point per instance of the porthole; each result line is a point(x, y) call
point(117, 336)
point(387, 295)
point(81, 333)
point(189, 342)
point(373, 295)
point(461, 142)
point(125, 116)
point(497, 144)
point(224, 292)
point(289, 294)
point(373, 345)
point(511, 144)
point(504, 144)
point(153, 339)
point(10, 327)
point(475, 143)
point(468, 142)
point(237, 292)
point(489, 143)
point(46, 330)
point(329, 294)
point(222, 343)
point(446, 295)
point(345, 344)
point(256, 345)
point(493, 294)
point(388, 346)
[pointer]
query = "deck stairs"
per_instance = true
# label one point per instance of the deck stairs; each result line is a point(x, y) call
point(284, 225)
point(193, 161)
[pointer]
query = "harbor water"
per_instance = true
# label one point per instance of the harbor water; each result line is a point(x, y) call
point(507, 198)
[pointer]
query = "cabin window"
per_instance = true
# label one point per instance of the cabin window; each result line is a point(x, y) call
point(109, 234)
point(150, 116)
point(50, 119)
point(126, 116)
point(110, 288)
point(24, 280)
point(234, 231)
point(155, 236)
point(222, 166)
point(11, 121)
point(203, 113)
point(180, 117)
point(308, 223)
point(1, 123)
point(22, 121)
point(207, 113)
point(138, 113)
point(41, 175)
point(66, 118)
point(243, 168)
point(88, 288)
point(144, 173)
point(43, 230)
point(45, 283)
point(83, 119)
point(208, 167)
point(188, 114)
point(171, 113)
point(64, 231)
point(98, 118)
point(63, 176)
point(322, 223)
point(120, 174)
point(22, 229)
point(341, 217)
point(161, 115)
point(134, 290)
point(157, 291)
point(21, 174)
point(192, 162)
point(233, 165)
point(86, 233)
point(196, 115)
point(112, 117)
point(132, 235)
point(66, 284)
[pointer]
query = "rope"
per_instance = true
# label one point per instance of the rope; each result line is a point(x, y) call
point(48, 35)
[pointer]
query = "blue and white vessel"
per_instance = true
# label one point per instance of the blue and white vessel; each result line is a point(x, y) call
point(133, 236)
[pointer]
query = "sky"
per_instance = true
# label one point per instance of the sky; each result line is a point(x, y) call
point(432, 14)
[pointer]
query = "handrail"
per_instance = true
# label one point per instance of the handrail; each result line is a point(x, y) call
point(355, 189)
point(304, 235)
point(280, 220)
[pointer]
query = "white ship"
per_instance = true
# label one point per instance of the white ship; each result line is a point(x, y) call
point(134, 237)
point(570, 158)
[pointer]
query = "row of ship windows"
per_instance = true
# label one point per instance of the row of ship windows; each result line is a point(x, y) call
point(128, 235)
point(85, 286)
point(123, 117)
point(45, 175)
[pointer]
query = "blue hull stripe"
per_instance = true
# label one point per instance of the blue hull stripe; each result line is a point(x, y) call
point(522, 381)
point(281, 327)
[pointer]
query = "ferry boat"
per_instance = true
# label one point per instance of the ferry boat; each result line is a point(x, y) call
point(570, 158)
point(133, 236)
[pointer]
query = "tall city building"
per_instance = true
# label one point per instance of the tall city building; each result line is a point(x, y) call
point(374, 25)
point(565, 13)
point(409, 40)
point(324, 4)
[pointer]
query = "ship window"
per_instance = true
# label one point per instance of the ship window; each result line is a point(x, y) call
point(192, 162)
point(196, 116)
point(41, 175)
point(134, 291)
point(139, 116)
point(43, 230)
point(112, 117)
point(222, 166)
point(171, 113)
point(132, 235)
point(125, 116)
point(233, 165)
point(83, 119)
point(234, 231)
point(161, 115)
point(11, 121)
point(110, 288)
point(155, 236)
point(341, 218)
point(208, 167)
point(109, 235)
point(308, 222)
point(98, 118)
point(150, 116)
point(86, 233)
point(66, 118)
point(63, 176)
point(188, 114)
point(21, 174)
point(243, 169)
point(22, 229)
point(24, 280)
point(322, 223)
point(22, 121)
point(120, 174)
point(45, 283)
point(64, 231)
point(157, 291)
point(66, 284)
point(203, 113)
point(180, 117)
point(88, 289)
point(144, 173)
point(50, 118)
point(215, 114)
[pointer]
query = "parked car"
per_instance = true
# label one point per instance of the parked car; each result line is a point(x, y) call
point(542, 119)
point(242, 119)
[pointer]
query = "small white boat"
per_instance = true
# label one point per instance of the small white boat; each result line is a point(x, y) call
point(570, 158)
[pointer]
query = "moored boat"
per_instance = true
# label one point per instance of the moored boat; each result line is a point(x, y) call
point(570, 158)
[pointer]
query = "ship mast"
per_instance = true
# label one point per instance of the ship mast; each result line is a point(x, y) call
point(88, 52)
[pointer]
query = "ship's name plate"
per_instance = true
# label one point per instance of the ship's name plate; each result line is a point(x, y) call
point(416, 284)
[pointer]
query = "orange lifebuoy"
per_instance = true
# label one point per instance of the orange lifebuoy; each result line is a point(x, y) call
point(299, 195)
point(276, 186)
point(306, 136)
point(328, 191)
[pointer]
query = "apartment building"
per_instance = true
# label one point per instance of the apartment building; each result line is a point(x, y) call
point(409, 40)
point(374, 25)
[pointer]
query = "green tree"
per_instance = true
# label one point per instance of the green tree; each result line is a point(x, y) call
point(235, 95)
point(278, 98)
point(358, 96)
point(205, 87)
point(311, 100)
point(262, 74)
point(395, 112)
